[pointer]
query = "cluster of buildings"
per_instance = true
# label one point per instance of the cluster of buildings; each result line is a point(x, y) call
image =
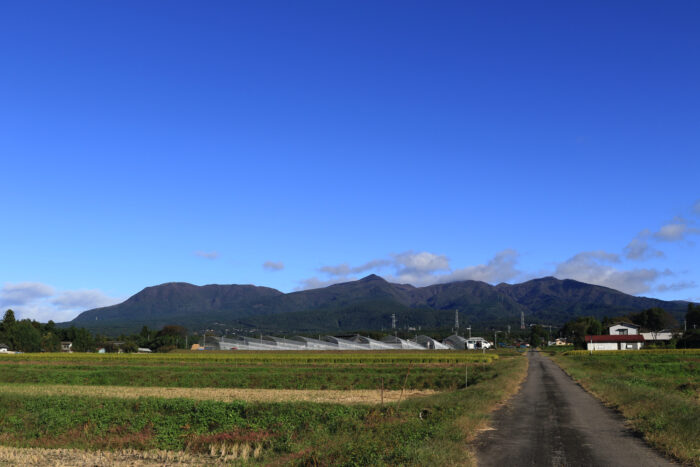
point(357, 342)
point(626, 336)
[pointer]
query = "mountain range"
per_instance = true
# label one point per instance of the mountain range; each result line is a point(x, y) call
point(365, 304)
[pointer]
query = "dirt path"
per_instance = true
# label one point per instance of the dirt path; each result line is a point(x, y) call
point(552, 421)
point(354, 396)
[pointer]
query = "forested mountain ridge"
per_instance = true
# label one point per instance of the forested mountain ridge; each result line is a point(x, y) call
point(365, 304)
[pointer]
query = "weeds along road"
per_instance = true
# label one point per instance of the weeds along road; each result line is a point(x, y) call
point(552, 421)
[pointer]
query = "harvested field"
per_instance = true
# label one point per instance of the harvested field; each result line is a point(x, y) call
point(218, 394)
point(126, 457)
point(268, 409)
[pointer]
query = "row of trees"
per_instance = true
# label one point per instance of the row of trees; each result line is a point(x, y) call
point(31, 336)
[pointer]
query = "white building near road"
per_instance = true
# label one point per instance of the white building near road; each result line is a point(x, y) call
point(618, 342)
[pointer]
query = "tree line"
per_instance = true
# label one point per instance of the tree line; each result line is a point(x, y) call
point(31, 336)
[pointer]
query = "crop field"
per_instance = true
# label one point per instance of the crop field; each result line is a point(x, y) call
point(286, 408)
point(658, 391)
point(261, 370)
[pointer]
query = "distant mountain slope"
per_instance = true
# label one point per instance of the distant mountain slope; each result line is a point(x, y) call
point(364, 304)
point(176, 301)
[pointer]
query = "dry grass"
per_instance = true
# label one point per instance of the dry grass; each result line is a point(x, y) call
point(126, 457)
point(479, 419)
point(217, 394)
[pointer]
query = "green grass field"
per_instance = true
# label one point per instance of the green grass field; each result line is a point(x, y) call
point(290, 370)
point(658, 391)
point(410, 431)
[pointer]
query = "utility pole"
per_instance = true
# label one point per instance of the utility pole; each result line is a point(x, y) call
point(522, 320)
point(470, 331)
point(494, 339)
point(456, 321)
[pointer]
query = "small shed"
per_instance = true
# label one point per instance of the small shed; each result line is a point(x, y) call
point(4, 348)
point(619, 342)
point(66, 346)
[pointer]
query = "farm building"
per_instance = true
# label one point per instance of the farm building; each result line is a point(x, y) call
point(4, 348)
point(617, 342)
point(346, 344)
point(455, 342)
point(317, 344)
point(66, 346)
point(624, 329)
point(430, 343)
point(374, 344)
point(402, 343)
point(356, 342)
point(664, 335)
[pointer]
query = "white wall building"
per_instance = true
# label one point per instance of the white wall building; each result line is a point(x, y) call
point(624, 329)
point(618, 342)
point(663, 335)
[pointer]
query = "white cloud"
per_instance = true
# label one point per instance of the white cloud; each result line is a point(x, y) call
point(207, 254)
point(420, 263)
point(344, 269)
point(594, 267)
point(273, 265)
point(42, 302)
point(639, 249)
point(316, 283)
point(675, 231)
point(23, 293)
point(420, 269)
point(82, 300)
point(676, 286)
point(500, 268)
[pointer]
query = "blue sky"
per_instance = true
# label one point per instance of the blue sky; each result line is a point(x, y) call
point(296, 144)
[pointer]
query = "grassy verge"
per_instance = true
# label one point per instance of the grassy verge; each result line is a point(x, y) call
point(659, 393)
point(428, 430)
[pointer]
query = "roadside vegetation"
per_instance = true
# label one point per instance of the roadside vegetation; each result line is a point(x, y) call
point(431, 429)
point(658, 391)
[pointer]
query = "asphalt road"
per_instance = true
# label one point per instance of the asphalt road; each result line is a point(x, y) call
point(552, 421)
